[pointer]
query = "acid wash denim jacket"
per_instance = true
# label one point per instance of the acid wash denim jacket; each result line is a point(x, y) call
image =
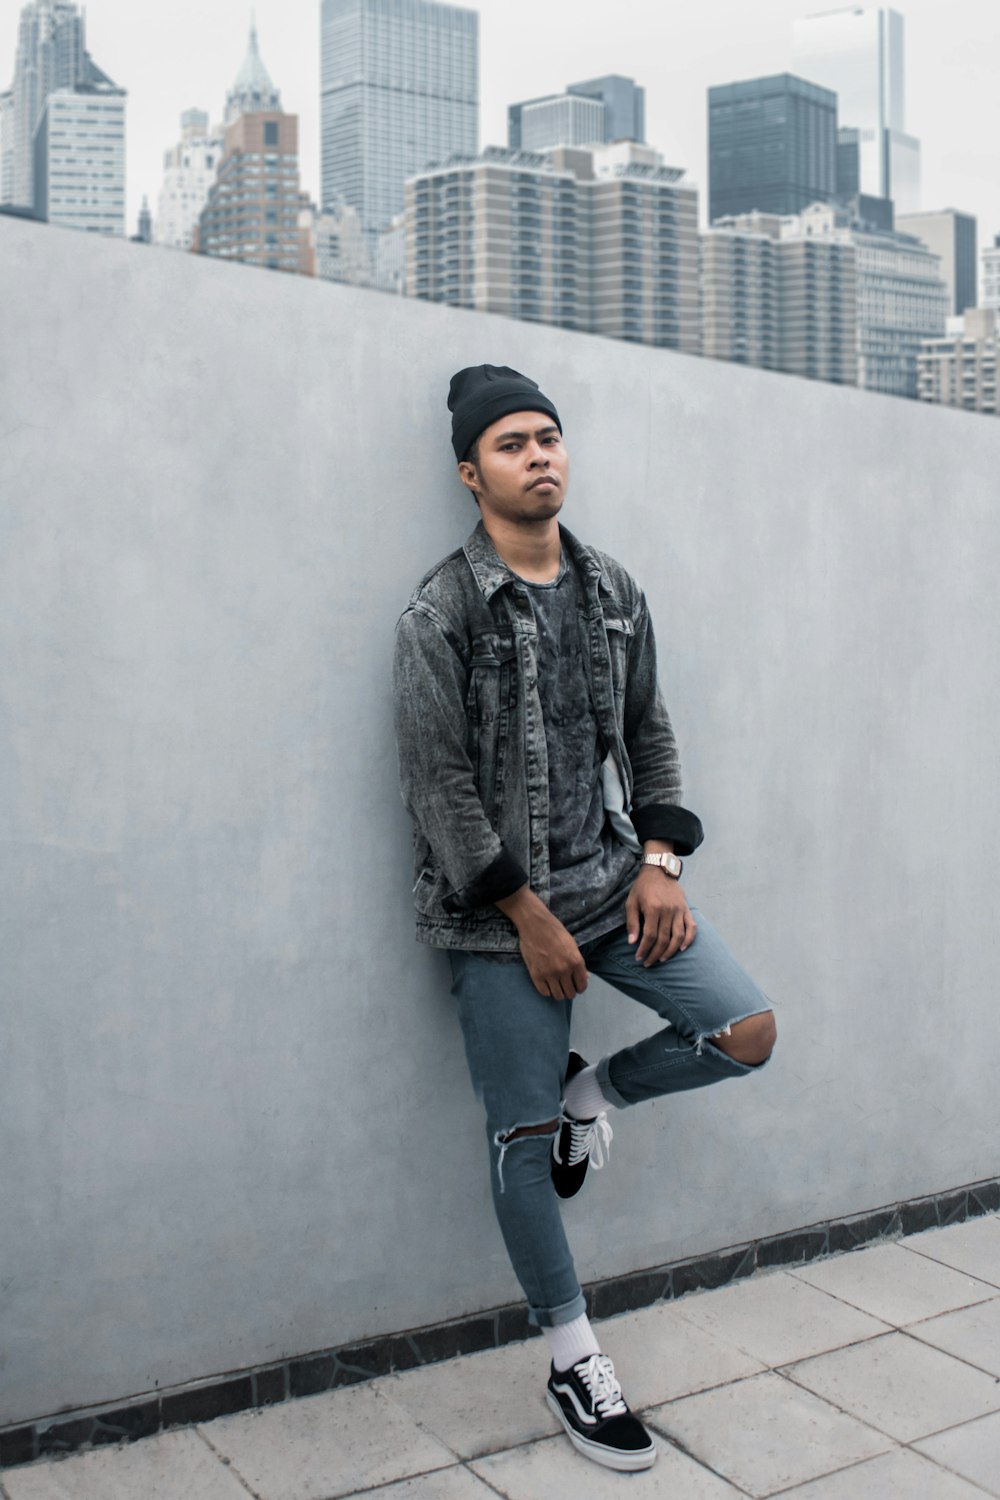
point(471, 740)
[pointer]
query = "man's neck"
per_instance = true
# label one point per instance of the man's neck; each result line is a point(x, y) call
point(532, 551)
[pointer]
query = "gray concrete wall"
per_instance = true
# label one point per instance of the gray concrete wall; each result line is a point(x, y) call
point(235, 1123)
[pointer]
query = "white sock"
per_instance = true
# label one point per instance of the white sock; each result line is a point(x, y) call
point(570, 1342)
point(584, 1099)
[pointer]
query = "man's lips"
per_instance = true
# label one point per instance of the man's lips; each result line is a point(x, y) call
point(543, 479)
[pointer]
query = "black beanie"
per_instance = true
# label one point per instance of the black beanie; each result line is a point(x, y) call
point(482, 394)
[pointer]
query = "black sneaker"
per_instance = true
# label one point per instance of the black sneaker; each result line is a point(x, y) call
point(588, 1402)
point(578, 1143)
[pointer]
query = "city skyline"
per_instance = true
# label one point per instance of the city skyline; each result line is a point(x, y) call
point(187, 58)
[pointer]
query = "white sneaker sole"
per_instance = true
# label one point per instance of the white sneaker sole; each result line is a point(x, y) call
point(611, 1458)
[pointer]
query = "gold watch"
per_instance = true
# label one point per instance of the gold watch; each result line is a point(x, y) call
point(668, 863)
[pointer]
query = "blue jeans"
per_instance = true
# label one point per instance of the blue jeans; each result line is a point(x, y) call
point(517, 1042)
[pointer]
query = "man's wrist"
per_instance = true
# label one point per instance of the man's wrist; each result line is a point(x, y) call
point(524, 907)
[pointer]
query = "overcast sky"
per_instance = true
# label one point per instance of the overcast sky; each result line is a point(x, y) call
point(173, 56)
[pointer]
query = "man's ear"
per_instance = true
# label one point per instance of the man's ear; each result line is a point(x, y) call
point(469, 475)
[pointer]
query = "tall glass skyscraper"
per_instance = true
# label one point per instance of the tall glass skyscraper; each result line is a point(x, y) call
point(51, 55)
point(400, 90)
point(772, 146)
point(858, 52)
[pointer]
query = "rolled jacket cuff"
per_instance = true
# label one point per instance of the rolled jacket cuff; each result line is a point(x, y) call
point(500, 879)
point(670, 822)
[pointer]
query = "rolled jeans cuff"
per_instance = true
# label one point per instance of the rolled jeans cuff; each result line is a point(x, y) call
point(551, 1317)
point(711, 1059)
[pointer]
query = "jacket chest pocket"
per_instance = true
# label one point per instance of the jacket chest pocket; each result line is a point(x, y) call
point(619, 631)
point(491, 681)
point(489, 705)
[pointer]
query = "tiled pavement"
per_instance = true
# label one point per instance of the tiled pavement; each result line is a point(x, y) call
point(871, 1376)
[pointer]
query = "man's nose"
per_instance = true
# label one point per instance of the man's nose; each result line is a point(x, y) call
point(538, 455)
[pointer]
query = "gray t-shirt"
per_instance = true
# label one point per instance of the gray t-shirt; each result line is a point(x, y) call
point(592, 871)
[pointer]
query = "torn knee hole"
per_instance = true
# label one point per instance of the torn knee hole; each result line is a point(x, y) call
point(520, 1131)
point(504, 1139)
point(750, 1040)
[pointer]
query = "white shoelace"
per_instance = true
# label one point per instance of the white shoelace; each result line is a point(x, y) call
point(586, 1138)
point(598, 1375)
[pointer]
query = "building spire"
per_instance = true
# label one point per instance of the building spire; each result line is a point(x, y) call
point(253, 90)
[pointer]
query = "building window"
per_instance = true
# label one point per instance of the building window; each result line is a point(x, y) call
point(270, 132)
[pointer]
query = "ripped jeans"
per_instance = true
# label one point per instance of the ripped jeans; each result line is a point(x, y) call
point(517, 1042)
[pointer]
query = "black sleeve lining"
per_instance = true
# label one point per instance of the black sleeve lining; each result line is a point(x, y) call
point(500, 879)
point(670, 822)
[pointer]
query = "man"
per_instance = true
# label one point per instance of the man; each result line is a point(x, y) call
point(538, 763)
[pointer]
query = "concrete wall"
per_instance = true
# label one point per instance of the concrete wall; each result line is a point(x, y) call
point(235, 1122)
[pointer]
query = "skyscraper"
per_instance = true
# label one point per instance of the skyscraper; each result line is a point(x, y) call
point(498, 233)
point(991, 274)
point(50, 55)
point(771, 146)
point(622, 117)
point(400, 90)
point(252, 210)
point(779, 299)
point(961, 368)
point(602, 239)
point(79, 156)
point(858, 52)
point(253, 92)
point(624, 102)
point(189, 170)
point(951, 236)
point(739, 290)
point(144, 225)
point(563, 120)
point(901, 298)
point(7, 146)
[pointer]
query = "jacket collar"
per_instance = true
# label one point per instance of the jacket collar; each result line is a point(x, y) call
point(491, 572)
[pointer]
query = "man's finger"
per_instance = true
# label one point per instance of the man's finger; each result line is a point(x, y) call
point(650, 929)
point(690, 928)
point(675, 936)
point(632, 917)
point(580, 977)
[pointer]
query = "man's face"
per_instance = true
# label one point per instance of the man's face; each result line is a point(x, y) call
point(523, 468)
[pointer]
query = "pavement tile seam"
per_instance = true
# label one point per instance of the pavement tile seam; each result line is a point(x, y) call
point(396, 1484)
point(786, 1489)
point(467, 1466)
point(857, 1463)
point(885, 1326)
point(841, 1296)
point(227, 1463)
point(940, 1260)
point(673, 1441)
point(463, 1462)
point(785, 1373)
point(910, 1332)
point(860, 1464)
point(930, 1458)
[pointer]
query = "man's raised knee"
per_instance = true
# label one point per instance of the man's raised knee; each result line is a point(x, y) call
point(749, 1041)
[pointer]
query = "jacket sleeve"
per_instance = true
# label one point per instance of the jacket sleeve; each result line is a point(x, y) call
point(652, 749)
point(435, 772)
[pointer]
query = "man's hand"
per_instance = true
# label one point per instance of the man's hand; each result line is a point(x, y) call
point(552, 958)
point(658, 906)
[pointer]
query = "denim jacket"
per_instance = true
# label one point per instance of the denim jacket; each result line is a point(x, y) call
point(471, 741)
